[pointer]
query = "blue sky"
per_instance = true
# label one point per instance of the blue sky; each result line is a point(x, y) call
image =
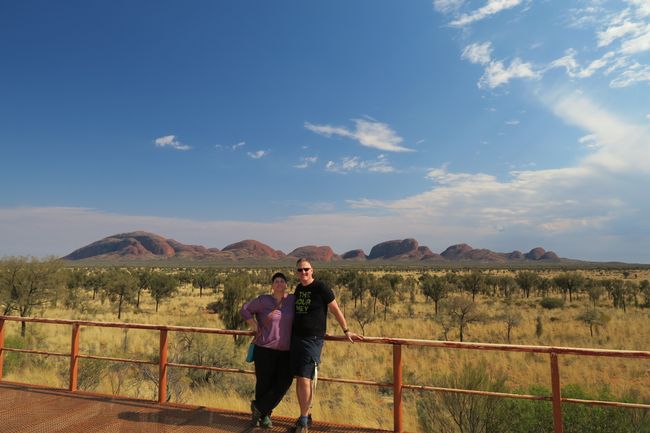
point(505, 124)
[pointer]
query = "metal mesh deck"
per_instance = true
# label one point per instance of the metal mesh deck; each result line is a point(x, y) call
point(30, 409)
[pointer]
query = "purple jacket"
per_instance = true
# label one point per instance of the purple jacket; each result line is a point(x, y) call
point(274, 324)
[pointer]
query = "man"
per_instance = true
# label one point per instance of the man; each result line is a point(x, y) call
point(313, 300)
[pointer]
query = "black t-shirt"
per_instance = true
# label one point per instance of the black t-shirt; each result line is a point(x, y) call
point(311, 309)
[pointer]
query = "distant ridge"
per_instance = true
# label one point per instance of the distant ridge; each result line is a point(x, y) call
point(141, 245)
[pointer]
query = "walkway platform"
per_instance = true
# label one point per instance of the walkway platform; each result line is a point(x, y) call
point(32, 409)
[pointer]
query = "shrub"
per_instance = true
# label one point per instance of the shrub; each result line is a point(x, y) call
point(551, 303)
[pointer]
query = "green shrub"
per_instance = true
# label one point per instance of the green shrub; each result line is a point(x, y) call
point(551, 303)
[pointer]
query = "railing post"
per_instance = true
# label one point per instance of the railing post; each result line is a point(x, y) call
point(2, 344)
point(74, 357)
point(162, 368)
point(398, 424)
point(557, 397)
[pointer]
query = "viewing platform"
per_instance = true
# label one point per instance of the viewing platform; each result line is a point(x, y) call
point(36, 408)
point(28, 408)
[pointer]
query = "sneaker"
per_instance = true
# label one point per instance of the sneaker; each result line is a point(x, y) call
point(266, 422)
point(303, 428)
point(255, 414)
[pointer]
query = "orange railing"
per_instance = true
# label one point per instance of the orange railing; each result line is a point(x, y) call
point(397, 343)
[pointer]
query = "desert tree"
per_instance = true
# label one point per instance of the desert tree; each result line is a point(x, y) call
point(237, 290)
point(120, 287)
point(593, 318)
point(360, 285)
point(28, 283)
point(569, 283)
point(595, 290)
point(473, 283)
point(162, 286)
point(144, 277)
point(206, 278)
point(644, 288)
point(386, 296)
point(462, 312)
point(363, 315)
point(409, 285)
point(507, 285)
point(544, 286)
point(95, 281)
point(527, 281)
point(434, 287)
point(511, 318)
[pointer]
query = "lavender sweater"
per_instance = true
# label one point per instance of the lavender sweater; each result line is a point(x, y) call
point(274, 325)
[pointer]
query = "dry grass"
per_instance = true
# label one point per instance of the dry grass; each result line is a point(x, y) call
point(352, 404)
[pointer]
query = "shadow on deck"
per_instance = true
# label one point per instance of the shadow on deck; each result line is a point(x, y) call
point(26, 409)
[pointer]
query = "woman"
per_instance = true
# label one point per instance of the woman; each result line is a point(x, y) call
point(271, 318)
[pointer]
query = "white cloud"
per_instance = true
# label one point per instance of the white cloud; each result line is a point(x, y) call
point(306, 161)
point(478, 53)
point(368, 133)
point(258, 154)
point(170, 141)
point(447, 6)
point(513, 122)
point(623, 147)
point(619, 28)
point(573, 69)
point(635, 74)
point(638, 44)
point(590, 141)
point(496, 74)
point(238, 145)
point(492, 7)
point(354, 163)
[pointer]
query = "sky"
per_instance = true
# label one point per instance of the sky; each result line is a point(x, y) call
point(503, 124)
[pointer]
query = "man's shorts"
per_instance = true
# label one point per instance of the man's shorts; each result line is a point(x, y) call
point(305, 355)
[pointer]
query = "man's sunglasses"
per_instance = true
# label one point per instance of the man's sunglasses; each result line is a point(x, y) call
point(303, 269)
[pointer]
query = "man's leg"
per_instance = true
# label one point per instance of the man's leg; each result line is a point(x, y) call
point(304, 394)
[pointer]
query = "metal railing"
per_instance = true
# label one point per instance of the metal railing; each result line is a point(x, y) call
point(397, 343)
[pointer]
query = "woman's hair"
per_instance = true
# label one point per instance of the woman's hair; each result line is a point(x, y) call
point(278, 275)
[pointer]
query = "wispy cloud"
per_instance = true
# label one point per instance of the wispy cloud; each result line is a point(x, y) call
point(513, 122)
point(495, 72)
point(369, 133)
point(354, 163)
point(492, 7)
point(258, 154)
point(170, 141)
point(306, 161)
point(447, 6)
point(479, 53)
point(238, 145)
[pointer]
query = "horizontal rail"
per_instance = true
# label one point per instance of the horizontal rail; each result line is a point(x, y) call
point(367, 340)
point(606, 403)
point(108, 358)
point(34, 352)
point(476, 392)
point(207, 367)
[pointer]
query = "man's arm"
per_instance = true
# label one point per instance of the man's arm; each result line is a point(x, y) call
point(333, 307)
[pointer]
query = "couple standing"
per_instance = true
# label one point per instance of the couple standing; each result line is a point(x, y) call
point(281, 322)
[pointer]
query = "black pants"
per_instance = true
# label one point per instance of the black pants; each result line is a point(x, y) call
point(273, 375)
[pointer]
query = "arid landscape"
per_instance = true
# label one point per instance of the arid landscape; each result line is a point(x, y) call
point(603, 307)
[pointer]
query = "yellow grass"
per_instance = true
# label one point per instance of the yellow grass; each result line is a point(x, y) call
point(352, 404)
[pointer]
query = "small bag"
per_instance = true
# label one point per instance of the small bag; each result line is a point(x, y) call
point(251, 352)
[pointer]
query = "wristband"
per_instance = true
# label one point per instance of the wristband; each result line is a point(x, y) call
point(346, 330)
